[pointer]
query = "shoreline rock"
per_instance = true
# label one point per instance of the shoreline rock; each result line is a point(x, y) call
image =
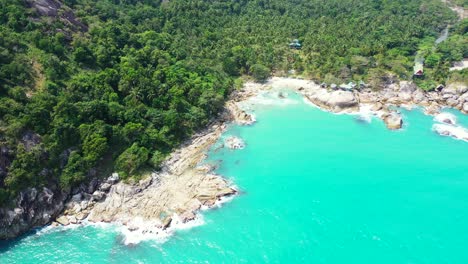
point(183, 187)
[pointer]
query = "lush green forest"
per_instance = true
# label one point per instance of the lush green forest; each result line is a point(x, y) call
point(118, 84)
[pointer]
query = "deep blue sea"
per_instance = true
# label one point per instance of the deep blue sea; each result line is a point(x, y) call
point(315, 188)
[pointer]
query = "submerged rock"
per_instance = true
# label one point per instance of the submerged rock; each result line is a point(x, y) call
point(234, 143)
point(446, 118)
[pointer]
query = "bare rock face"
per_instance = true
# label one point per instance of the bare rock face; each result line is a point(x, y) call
point(418, 97)
point(368, 97)
point(54, 8)
point(168, 195)
point(393, 121)
point(238, 115)
point(407, 87)
point(33, 208)
point(335, 101)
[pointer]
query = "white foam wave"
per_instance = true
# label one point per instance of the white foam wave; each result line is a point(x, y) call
point(270, 98)
point(447, 118)
point(148, 230)
point(457, 132)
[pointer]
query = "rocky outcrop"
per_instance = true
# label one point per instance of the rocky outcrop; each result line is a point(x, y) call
point(33, 208)
point(446, 118)
point(179, 190)
point(55, 9)
point(235, 113)
point(455, 89)
point(335, 101)
point(234, 143)
point(393, 120)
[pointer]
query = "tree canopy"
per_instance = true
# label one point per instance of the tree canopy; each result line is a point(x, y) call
point(142, 76)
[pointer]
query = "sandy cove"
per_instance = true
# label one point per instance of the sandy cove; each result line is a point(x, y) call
point(176, 193)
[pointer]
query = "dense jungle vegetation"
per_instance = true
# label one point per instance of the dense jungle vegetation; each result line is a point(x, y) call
point(128, 80)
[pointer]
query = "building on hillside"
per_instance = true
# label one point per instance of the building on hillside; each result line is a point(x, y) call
point(295, 44)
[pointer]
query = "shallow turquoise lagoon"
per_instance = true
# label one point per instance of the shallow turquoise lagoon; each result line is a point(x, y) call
point(316, 188)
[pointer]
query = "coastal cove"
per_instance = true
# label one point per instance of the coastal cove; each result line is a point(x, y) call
point(313, 186)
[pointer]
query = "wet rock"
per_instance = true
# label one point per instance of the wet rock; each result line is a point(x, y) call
point(63, 220)
point(393, 121)
point(82, 215)
point(166, 222)
point(239, 115)
point(187, 216)
point(234, 143)
point(446, 118)
point(72, 220)
point(451, 131)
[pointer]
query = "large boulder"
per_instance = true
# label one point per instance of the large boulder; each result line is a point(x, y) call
point(235, 113)
point(465, 107)
point(393, 121)
point(452, 102)
point(335, 101)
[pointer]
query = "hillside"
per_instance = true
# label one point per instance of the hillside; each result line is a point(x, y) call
point(88, 87)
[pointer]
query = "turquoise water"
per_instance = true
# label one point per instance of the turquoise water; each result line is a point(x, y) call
point(316, 188)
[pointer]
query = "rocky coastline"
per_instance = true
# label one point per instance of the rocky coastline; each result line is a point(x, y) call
point(382, 103)
point(173, 195)
point(183, 186)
